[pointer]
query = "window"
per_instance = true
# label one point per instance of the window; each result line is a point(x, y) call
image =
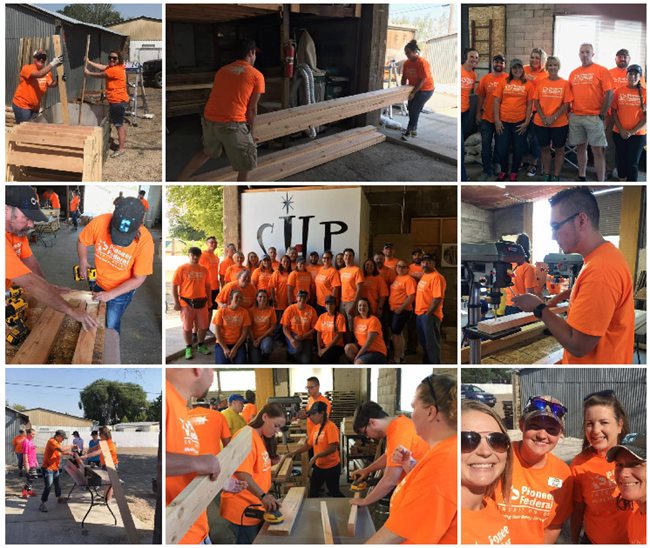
point(408, 383)
point(298, 378)
point(233, 380)
point(374, 383)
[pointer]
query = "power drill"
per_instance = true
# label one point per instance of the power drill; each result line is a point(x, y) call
point(16, 332)
point(91, 276)
point(15, 309)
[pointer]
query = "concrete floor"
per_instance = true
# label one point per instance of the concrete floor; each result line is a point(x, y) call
point(141, 331)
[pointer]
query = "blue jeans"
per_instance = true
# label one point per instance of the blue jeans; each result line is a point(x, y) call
point(628, 155)
point(23, 114)
point(302, 351)
point(50, 477)
point(464, 126)
point(508, 137)
point(533, 142)
point(263, 351)
point(115, 308)
point(488, 152)
point(429, 335)
point(415, 107)
point(75, 218)
point(244, 534)
point(220, 357)
point(372, 357)
point(19, 456)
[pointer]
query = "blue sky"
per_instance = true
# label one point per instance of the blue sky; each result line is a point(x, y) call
point(58, 389)
point(128, 11)
point(416, 10)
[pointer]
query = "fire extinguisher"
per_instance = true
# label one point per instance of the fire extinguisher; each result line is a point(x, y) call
point(289, 54)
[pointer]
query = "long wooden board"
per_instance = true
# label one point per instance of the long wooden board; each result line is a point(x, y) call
point(63, 92)
point(327, 524)
point(190, 503)
point(83, 353)
point(291, 505)
point(120, 497)
point(352, 519)
point(36, 347)
point(526, 335)
point(503, 323)
point(284, 471)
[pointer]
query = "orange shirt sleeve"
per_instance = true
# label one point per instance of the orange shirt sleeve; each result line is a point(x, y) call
point(14, 267)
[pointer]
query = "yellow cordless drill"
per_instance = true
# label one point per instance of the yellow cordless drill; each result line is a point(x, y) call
point(91, 276)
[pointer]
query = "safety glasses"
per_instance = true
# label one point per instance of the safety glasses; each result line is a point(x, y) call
point(498, 441)
point(113, 58)
point(557, 226)
point(541, 404)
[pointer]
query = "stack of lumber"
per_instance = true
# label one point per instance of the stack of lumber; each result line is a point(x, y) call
point(284, 163)
point(63, 151)
point(10, 119)
point(187, 93)
point(344, 404)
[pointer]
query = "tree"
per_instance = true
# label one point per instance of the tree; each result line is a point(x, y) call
point(110, 402)
point(97, 14)
point(154, 412)
point(195, 212)
point(18, 407)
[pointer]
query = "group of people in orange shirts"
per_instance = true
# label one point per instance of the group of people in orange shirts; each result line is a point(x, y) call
point(308, 304)
point(518, 492)
point(532, 104)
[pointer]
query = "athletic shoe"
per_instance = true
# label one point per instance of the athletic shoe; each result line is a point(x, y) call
point(23, 493)
point(405, 136)
point(202, 349)
point(486, 177)
point(547, 178)
point(532, 171)
point(555, 178)
point(188, 353)
point(42, 507)
point(512, 177)
point(414, 133)
point(501, 176)
point(31, 493)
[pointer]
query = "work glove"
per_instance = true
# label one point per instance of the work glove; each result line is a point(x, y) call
point(57, 61)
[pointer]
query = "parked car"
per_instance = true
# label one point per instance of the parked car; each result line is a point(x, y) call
point(152, 73)
point(473, 392)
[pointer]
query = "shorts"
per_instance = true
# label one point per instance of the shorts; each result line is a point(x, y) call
point(191, 316)
point(588, 130)
point(555, 135)
point(213, 304)
point(116, 112)
point(399, 321)
point(232, 137)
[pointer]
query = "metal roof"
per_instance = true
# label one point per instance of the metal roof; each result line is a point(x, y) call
point(69, 19)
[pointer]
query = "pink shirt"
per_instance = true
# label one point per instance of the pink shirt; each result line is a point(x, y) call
point(29, 453)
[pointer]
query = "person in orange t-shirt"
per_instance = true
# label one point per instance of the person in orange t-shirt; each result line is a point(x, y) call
point(429, 300)
point(145, 202)
point(75, 209)
point(326, 462)
point(390, 261)
point(54, 200)
point(17, 444)
point(106, 436)
point(229, 116)
point(374, 288)
point(410, 519)
point(211, 261)
point(298, 322)
point(327, 282)
point(34, 81)
point(211, 428)
point(371, 421)
point(299, 280)
point(124, 251)
point(313, 266)
point(535, 72)
point(255, 470)
point(235, 268)
point(262, 276)
point(116, 94)
point(417, 72)
point(263, 324)
point(369, 346)
point(523, 277)
point(629, 114)
point(313, 389)
point(351, 286)
point(595, 493)
point(400, 300)
point(242, 284)
point(467, 84)
point(249, 412)
point(232, 324)
point(226, 262)
point(51, 465)
point(330, 328)
point(599, 328)
point(191, 291)
point(513, 104)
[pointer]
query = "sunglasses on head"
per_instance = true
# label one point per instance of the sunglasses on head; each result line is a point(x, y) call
point(541, 404)
point(602, 394)
point(428, 382)
point(498, 441)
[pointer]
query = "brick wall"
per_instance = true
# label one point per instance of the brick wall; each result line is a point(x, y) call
point(509, 220)
point(477, 225)
point(387, 389)
point(528, 26)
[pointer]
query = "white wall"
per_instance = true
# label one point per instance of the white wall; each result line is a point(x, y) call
point(496, 388)
point(145, 50)
point(121, 439)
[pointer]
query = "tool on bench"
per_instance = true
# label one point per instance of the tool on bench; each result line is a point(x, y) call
point(361, 486)
point(291, 406)
point(269, 517)
point(16, 332)
point(15, 312)
point(91, 276)
point(14, 292)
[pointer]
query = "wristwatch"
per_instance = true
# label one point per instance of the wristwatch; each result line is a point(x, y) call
point(538, 310)
point(262, 495)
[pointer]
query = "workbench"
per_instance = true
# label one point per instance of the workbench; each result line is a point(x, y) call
point(92, 479)
point(308, 530)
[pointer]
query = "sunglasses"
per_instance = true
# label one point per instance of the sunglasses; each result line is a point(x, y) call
point(556, 226)
point(40, 57)
point(498, 441)
point(602, 394)
point(541, 404)
point(113, 58)
point(427, 380)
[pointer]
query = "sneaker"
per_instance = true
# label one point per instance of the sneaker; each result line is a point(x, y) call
point(486, 177)
point(61, 500)
point(31, 493)
point(118, 153)
point(23, 493)
point(405, 136)
point(555, 178)
point(42, 507)
point(532, 171)
point(414, 133)
point(581, 179)
point(547, 178)
point(501, 176)
point(203, 349)
point(188, 353)
point(512, 177)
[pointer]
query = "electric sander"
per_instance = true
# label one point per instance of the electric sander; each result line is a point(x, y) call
point(269, 517)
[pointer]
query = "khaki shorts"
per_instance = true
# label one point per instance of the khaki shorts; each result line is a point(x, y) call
point(587, 129)
point(194, 317)
point(233, 137)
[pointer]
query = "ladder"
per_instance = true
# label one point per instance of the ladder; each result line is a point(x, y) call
point(137, 87)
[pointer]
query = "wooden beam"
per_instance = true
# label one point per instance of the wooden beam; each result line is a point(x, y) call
point(264, 387)
point(352, 519)
point(83, 353)
point(284, 471)
point(120, 497)
point(631, 204)
point(190, 503)
point(503, 323)
point(83, 85)
point(36, 347)
point(527, 334)
point(327, 525)
point(63, 92)
point(291, 505)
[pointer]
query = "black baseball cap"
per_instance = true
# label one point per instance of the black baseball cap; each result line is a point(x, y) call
point(330, 299)
point(24, 198)
point(623, 51)
point(317, 407)
point(633, 443)
point(127, 219)
point(635, 68)
point(303, 293)
point(499, 57)
point(388, 244)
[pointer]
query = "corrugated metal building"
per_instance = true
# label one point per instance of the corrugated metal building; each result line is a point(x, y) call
point(27, 21)
point(14, 421)
point(46, 417)
point(145, 38)
point(571, 385)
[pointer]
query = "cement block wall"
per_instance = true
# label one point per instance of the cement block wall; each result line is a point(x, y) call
point(522, 36)
point(387, 389)
point(509, 220)
point(477, 225)
point(350, 380)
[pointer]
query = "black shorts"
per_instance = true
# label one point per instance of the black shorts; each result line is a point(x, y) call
point(213, 304)
point(399, 321)
point(555, 135)
point(116, 112)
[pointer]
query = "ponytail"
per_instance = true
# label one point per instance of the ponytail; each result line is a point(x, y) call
point(322, 424)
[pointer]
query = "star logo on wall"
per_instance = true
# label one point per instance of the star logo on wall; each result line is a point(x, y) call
point(287, 201)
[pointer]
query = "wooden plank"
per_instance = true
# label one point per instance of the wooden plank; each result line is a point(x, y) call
point(83, 85)
point(36, 347)
point(120, 497)
point(284, 471)
point(63, 91)
point(327, 525)
point(527, 334)
point(190, 503)
point(54, 129)
point(98, 350)
point(352, 519)
point(188, 87)
point(59, 162)
point(291, 505)
point(83, 353)
point(552, 359)
point(69, 140)
point(496, 325)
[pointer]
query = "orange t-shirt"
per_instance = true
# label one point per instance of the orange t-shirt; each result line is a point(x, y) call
point(326, 280)
point(262, 279)
point(112, 450)
point(30, 91)
point(224, 264)
point(401, 431)
point(484, 526)
point(234, 84)
point(210, 261)
point(258, 465)
point(627, 104)
point(619, 77)
point(415, 271)
point(522, 278)
point(261, 320)
point(232, 272)
point(249, 412)
point(17, 442)
point(248, 294)
point(300, 281)
point(485, 89)
point(636, 528)
point(602, 305)
point(589, 85)
point(116, 84)
point(552, 94)
point(595, 487)
point(279, 282)
point(388, 274)
point(436, 521)
point(351, 276)
point(534, 76)
point(416, 71)
point(145, 203)
point(52, 455)
point(467, 81)
point(326, 327)
point(182, 439)
point(192, 281)
point(514, 98)
point(16, 248)
point(54, 200)
point(362, 329)
point(391, 263)
point(115, 265)
point(313, 270)
point(374, 289)
point(211, 428)
point(540, 498)
point(74, 204)
point(431, 286)
point(232, 323)
point(299, 321)
point(329, 435)
point(311, 401)
point(402, 288)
